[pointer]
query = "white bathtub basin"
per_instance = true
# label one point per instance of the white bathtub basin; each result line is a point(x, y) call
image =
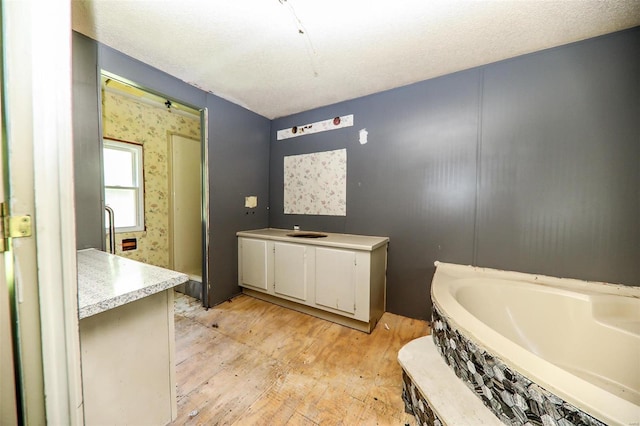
point(578, 340)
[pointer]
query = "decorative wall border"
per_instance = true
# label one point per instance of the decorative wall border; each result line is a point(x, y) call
point(512, 397)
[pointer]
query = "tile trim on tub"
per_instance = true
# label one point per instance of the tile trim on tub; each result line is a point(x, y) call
point(416, 404)
point(513, 398)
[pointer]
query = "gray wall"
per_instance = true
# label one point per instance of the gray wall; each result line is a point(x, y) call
point(560, 162)
point(238, 140)
point(530, 164)
point(87, 145)
point(238, 166)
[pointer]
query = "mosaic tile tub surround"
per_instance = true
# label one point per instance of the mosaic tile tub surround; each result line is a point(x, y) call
point(513, 398)
point(415, 403)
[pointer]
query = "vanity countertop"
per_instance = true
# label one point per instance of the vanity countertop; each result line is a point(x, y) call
point(106, 281)
point(347, 241)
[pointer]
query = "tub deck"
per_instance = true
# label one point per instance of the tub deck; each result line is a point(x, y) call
point(447, 397)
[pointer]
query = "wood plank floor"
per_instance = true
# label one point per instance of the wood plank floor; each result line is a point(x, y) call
point(249, 362)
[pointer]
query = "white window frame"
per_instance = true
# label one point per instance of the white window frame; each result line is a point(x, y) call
point(138, 179)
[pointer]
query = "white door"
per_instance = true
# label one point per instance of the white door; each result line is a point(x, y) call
point(40, 269)
point(186, 205)
point(8, 405)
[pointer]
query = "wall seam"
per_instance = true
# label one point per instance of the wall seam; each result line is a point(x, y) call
point(478, 166)
point(103, 202)
point(269, 165)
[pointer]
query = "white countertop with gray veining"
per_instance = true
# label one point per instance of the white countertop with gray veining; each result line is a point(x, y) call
point(347, 241)
point(106, 281)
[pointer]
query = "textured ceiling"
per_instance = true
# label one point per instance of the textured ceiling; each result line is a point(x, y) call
point(279, 57)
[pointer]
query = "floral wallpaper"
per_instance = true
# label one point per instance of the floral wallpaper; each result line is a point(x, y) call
point(316, 183)
point(127, 119)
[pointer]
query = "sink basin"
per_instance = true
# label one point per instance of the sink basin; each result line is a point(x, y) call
point(306, 234)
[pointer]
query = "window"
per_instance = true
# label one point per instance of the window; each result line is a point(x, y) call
point(123, 184)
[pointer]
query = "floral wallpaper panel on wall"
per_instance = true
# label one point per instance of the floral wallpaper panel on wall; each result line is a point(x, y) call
point(316, 183)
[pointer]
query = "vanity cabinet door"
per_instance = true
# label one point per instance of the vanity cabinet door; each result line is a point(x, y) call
point(336, 279)
point(290, 270)
point(253, 263)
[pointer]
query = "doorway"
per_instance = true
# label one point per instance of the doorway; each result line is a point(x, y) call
point(185, 208)
point(174, 206)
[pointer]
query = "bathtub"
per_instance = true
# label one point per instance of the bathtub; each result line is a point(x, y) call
point(537, 348)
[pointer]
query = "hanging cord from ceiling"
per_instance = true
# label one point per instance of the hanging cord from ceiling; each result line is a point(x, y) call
point(311, 50)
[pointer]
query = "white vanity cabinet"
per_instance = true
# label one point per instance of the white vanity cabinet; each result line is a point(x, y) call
point(339, 277)
point(290, 270)
point(252, 266)
point(336, 279)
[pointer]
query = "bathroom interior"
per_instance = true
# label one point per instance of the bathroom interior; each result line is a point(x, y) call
point(528, 164)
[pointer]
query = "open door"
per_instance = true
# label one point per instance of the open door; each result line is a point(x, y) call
point(38, 282)
point(8, 402)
